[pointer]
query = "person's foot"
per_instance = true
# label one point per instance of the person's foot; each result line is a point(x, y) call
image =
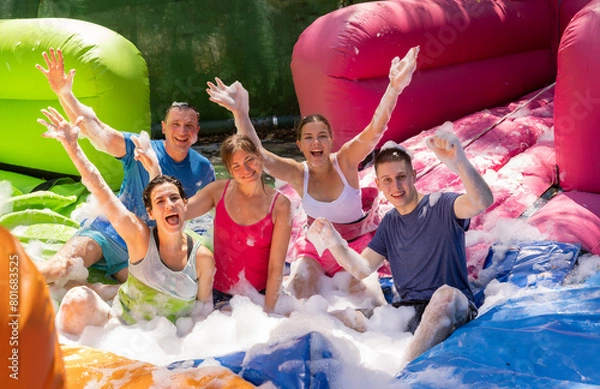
point(59, 270)
point(356, 286)
point(352, 319)
point(368, 289)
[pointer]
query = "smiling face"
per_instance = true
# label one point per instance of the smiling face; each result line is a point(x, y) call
point(242, 158)
point(180, 128)
point(396, 179)
point(315, 142)
point(245, 166)
point(167, 207)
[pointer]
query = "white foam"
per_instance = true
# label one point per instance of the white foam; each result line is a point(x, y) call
point(5, 195)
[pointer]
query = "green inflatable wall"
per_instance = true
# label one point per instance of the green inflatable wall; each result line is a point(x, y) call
point(112, 78)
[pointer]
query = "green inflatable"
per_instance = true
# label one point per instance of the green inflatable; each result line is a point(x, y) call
point(112, 78)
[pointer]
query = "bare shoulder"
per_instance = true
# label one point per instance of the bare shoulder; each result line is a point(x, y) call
point(205, 259)
point(348, 164)
point(282, 206)
point(216, 188)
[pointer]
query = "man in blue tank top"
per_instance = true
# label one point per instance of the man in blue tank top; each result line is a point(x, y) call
point(423, 238)
point(97, 242)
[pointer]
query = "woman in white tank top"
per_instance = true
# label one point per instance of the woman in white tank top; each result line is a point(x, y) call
point(166, 203)
point(327, 182)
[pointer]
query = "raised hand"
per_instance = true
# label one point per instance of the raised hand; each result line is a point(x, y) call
point(401, 71)
point(145, 154)
point(58, 128)
point(447, 147)
point(234, 97)
point(58, 80)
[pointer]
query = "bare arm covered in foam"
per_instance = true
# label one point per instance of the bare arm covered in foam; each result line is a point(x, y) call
point(145, 154)
point(324, 236)
point(478, 196)
point(133, 230)
point(235, 99)
point(102, 136)
point(282, 218)
point(356, 150)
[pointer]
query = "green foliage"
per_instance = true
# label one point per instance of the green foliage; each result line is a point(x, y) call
point(189, 42)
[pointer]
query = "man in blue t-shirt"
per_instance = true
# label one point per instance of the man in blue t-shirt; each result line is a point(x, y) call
point(423, 238)
point(97, 242)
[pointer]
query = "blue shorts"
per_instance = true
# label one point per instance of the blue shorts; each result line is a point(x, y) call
point(114, 256)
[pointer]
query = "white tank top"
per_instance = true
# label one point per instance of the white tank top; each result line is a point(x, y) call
point(154, 273)
point(347, 208)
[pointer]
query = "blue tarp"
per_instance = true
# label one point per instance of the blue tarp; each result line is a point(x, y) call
point(303, 362)
point(543, 263)
point(544, 340)
point(547, 339)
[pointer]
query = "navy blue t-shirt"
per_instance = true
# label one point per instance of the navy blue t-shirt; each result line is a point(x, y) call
point(426, 248)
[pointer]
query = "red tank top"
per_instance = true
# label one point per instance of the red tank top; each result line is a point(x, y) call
point(241, 248)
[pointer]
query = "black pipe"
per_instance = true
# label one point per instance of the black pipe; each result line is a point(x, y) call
point(213, 127)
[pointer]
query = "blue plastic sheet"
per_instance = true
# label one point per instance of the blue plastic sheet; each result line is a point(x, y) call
point(543, 263)
point(545, 340)
point(303, 362)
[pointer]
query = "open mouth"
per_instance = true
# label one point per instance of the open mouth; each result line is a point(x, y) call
point(172, 220)
point(316, 153)
point(181, 140)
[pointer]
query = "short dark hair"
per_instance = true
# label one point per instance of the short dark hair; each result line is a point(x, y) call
point(392, 154)
point(158, 180)
point(315, 118)
point(182, 106)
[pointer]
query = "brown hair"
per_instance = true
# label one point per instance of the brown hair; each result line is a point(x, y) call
point(234, 143)
point(158, 180)
point(182, 106)
point(312, 119)
point(392, 154)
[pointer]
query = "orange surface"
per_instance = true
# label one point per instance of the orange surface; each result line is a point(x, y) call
point(30, 347)
point(102, 369)
point(34, 358)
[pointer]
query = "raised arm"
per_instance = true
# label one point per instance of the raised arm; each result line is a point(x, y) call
point(102, 136)
point(358, 148)
point(279, 245)
point(324, 236)
point(133, 230)
point(145, 154)
point(203, 201)
point(235, 99)
point(478, 196)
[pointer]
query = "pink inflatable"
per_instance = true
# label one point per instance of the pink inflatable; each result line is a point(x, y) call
point(577, 111)
point(572, 217)
point(474, 54)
